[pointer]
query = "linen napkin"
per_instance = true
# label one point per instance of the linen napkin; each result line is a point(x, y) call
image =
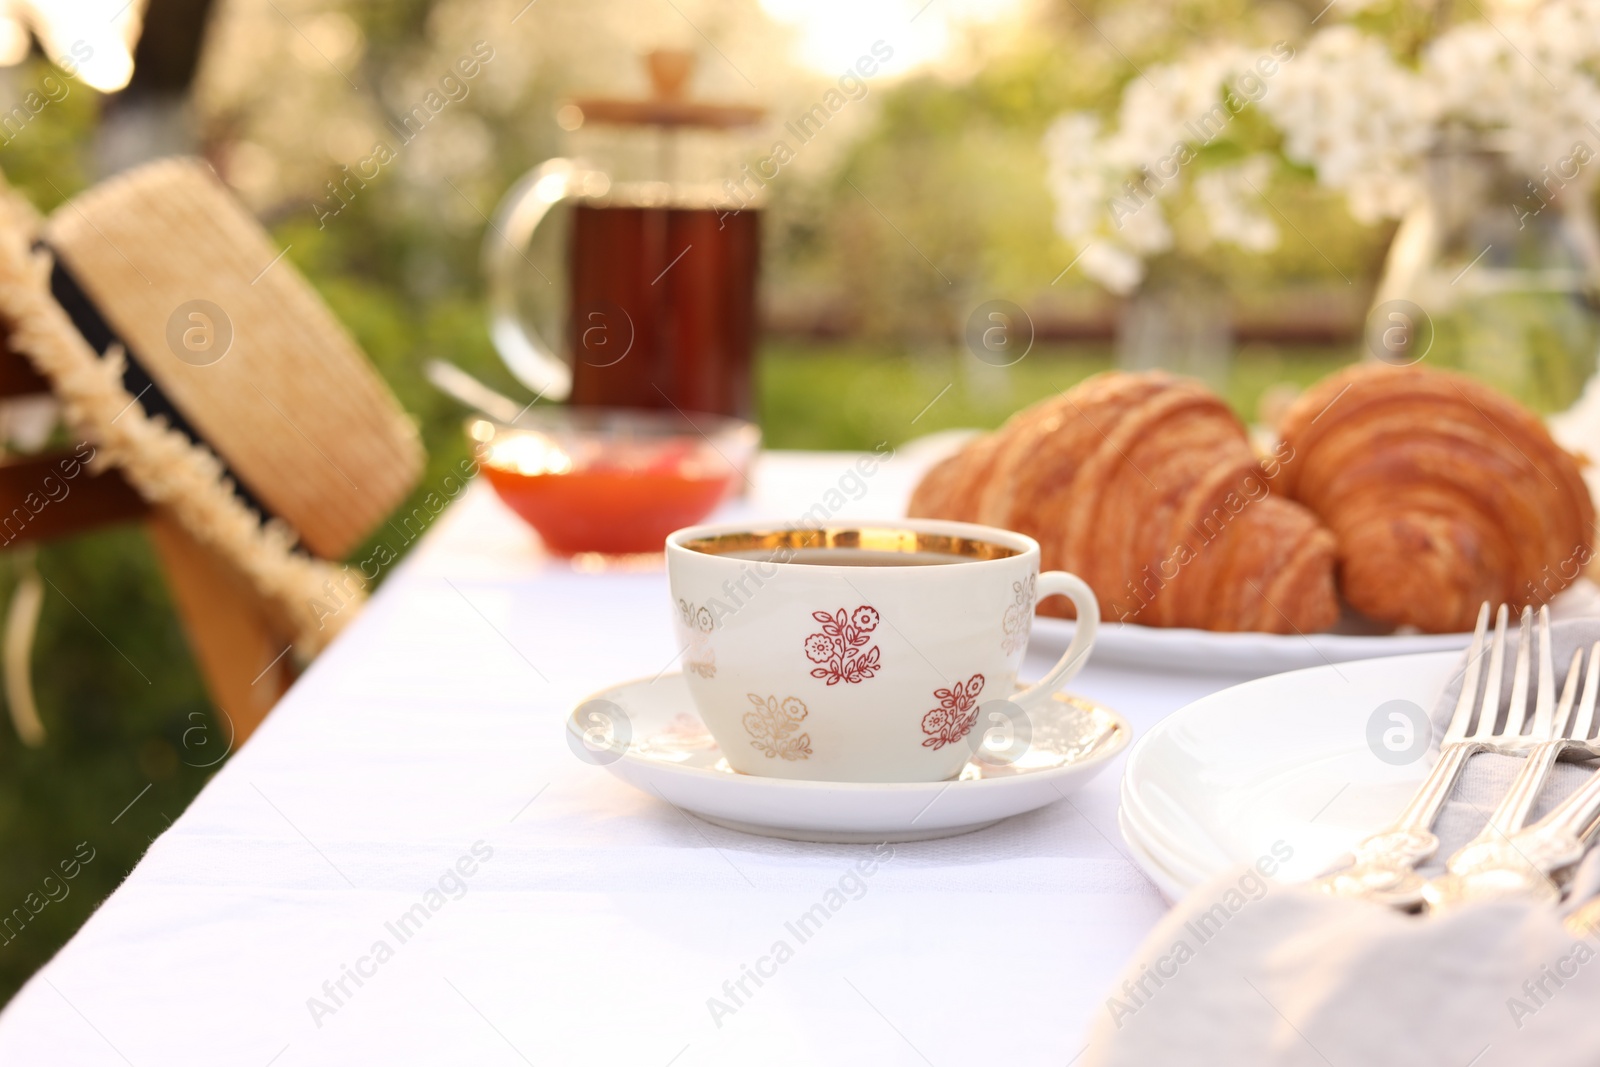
point(1246, 971)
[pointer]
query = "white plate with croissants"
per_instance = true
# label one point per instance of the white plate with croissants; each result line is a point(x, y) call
point(1394, 501)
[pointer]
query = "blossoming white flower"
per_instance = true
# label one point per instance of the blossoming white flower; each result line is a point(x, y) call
point(1232, 201)
point(1113, 267)
point(1358, 118)
point(1345, 107)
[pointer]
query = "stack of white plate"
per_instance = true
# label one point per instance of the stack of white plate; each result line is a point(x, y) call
point(1296, 768)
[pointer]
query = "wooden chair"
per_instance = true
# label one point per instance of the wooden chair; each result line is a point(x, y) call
point(239, 641)
point(242, 405)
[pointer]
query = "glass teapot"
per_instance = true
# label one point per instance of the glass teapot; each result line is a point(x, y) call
point(654, 305)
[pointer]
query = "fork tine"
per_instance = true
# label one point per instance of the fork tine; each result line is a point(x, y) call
point(1544, 720)
point(1584, 722)
point(1469, 682)
point(1569, 695)
point(1491, 685)
point(1517, 710)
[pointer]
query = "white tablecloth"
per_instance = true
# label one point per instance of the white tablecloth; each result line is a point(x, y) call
point(569, 919)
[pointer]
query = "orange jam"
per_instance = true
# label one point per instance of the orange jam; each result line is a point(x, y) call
point(622, 499)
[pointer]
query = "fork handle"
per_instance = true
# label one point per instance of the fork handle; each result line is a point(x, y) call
point(1409, 840)
point(1573, 818)
point(1383, 866)
point(1513, 811)
point(1430, 797)
point(1523, 865)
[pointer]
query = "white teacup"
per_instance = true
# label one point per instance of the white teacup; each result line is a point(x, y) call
point(861, 653)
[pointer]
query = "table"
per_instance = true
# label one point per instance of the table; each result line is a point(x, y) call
point(565, 918)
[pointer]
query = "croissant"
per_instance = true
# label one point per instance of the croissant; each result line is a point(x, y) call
point(1145, 486)
point(1442, 492)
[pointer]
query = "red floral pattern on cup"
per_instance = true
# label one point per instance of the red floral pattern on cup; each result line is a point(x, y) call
point(954, 717)
point(843, 648)
point(773, 722)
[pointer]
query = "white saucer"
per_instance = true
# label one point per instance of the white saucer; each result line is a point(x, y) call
point(1283, 760)
point(670, 755)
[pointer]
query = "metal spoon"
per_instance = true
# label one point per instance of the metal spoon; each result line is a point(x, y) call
point(459, 385)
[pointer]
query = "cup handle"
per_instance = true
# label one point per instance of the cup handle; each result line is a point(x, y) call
point(1077, 653)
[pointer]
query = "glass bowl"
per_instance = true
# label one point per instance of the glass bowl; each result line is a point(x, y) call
point(614, 481)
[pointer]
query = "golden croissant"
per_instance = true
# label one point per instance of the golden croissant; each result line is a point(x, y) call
point(1146, 487)
point(1442, 492)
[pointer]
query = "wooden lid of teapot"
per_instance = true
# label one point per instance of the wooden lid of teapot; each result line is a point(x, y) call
point(670, 70)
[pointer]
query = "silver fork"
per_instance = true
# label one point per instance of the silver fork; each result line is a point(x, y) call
point(1384, 867)
point(1506, 860)
point(1556, 734)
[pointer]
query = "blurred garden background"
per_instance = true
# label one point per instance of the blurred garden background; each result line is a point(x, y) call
point(929, 196)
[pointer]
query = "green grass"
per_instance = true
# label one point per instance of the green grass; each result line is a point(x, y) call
point(854, 396)
point(128, 726)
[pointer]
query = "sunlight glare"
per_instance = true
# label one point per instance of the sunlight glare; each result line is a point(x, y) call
point(14, 40)
point(833, 34)
point(95, 35)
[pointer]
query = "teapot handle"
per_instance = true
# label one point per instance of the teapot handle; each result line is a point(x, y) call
point(535, 363)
